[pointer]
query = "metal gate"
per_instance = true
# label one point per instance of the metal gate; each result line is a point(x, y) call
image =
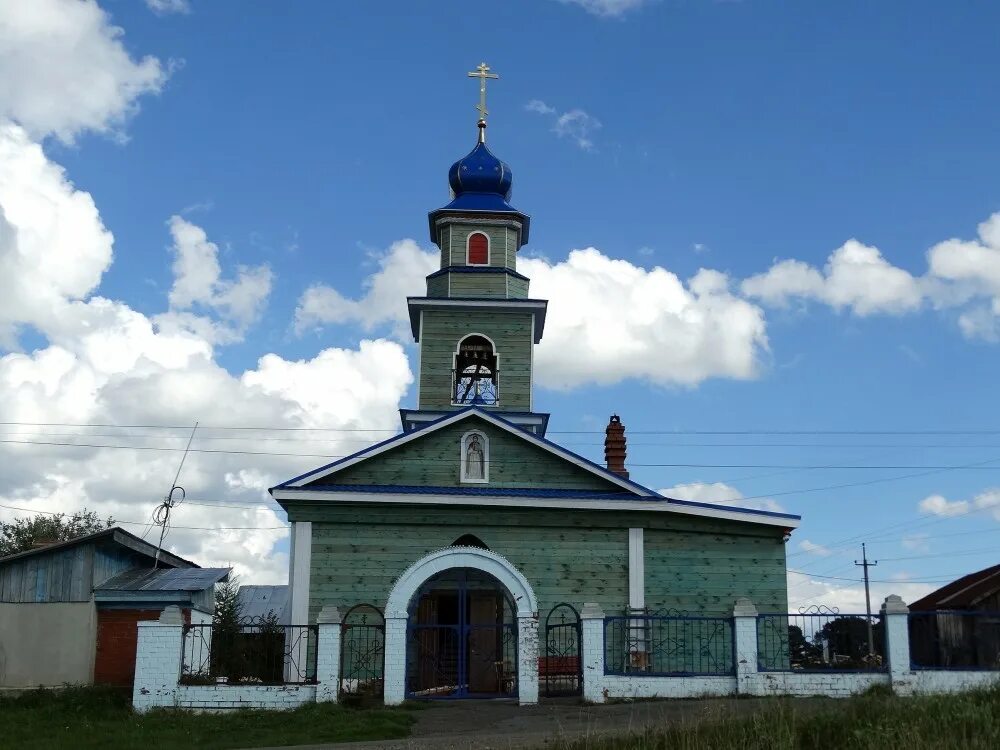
point(560, 668)
point(362, 651)
point(462, 638)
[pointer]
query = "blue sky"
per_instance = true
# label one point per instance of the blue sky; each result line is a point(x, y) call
point(308, 140)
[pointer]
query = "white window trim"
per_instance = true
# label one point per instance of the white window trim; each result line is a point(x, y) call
point(454, 366)
point(489, 249)
point(462, 468)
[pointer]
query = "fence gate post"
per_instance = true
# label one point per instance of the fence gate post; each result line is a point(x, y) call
point(896, 616)
point(592, 652)
point(745, 645)
point(328, 655)
point(158, 652)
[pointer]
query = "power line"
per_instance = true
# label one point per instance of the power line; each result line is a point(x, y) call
point(144, 523)
point(980, 466)
point(272, 428)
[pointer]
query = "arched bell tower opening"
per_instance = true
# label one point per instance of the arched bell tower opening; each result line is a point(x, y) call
point(476, 375)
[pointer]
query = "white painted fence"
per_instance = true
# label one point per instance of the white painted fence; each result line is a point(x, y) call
point(747, 679)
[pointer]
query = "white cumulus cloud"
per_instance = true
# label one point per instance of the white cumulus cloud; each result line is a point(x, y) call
point(938, 505)
point(575, 125)
point(718, 493)
point(814, 549)
point(610, 320)
point(64, 69)
point(166, 7)
point(607, 8)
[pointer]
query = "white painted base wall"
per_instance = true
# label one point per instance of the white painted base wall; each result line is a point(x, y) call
point(229, 697)
point(806, 684)
point(617, 686)
point(928, 681)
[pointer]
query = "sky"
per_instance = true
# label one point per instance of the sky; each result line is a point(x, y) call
point(769, 234)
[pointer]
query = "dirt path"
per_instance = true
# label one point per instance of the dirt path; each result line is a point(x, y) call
point(496, 725)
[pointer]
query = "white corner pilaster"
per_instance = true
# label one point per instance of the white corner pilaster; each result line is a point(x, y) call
point(299, 563)
point(636, 570)
point(328, 655)
point(158, 660)
point(394, 686)
point(745, 646)
point(527, 658)
point(895, 617)
point(592, 652)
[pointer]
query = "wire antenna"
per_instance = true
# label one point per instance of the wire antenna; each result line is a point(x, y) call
point(161, 516)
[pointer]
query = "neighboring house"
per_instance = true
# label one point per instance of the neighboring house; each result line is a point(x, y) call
point(470, 524)
point(257, 602)
point(959, 624)
point(68, 611)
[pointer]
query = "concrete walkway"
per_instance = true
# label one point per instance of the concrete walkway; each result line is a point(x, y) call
point(501, 725)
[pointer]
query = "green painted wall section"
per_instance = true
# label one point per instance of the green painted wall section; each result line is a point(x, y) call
point(437, 286)
point(433, 461)
point(573, 555)
point(517, 288)
point(704, 574)
point(443, 329)
point(491, 285)
point(503, 244)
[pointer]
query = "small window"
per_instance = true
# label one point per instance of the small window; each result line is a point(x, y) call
point(479, 249)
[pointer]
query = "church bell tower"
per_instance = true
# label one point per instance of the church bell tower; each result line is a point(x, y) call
point(477, 326)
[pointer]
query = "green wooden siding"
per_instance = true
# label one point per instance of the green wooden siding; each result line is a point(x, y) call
point(705, 574)
point(433, 461)
point(443, 329)
point(437, 286)
point(500, 250)
point(517, 288)
point(479, 285)
point(573, 555)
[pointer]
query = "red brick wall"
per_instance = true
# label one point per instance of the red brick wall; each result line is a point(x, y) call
point(117, 634)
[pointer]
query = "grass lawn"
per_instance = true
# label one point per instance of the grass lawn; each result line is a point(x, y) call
point(874, 721)
point(103, 718)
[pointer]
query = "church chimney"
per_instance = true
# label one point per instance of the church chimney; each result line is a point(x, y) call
point(614, 446)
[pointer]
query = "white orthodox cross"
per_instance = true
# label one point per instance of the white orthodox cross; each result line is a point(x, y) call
point(482, 73)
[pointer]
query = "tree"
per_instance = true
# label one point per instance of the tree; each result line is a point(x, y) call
point(22, 534)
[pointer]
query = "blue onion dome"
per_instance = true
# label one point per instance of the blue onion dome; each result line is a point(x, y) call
point(480, 172)
point(480, 183)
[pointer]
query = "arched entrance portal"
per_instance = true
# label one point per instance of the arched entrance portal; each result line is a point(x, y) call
point(462, 638)
point(466, 585)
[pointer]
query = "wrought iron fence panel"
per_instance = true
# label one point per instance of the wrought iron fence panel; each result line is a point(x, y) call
point(260, 653)
point(820, 639)
point(560, 669)
point(362, 651)
point(954, 640)
point(668, 645)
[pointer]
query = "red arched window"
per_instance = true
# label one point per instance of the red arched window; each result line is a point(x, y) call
point(479, 249)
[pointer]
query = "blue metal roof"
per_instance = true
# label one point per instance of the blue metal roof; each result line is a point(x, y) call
point(165, 579)
point(491, 491)
point(257, 601)
point(478, 269)
point(481, 183)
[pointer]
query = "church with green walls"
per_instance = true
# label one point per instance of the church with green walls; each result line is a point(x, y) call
point(465, 546)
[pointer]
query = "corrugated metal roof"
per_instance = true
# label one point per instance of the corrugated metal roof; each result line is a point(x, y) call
point(963, 593)
point(115, 533)
point(174, 579)
point(257, 601)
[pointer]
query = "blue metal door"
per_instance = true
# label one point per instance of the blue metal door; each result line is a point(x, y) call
point(462, 638)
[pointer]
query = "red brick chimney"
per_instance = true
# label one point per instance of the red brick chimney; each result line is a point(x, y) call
point(614, 446)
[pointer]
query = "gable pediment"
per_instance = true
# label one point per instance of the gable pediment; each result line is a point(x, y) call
point(432, 457)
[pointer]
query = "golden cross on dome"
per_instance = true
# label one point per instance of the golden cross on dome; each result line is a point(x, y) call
point(482, 73)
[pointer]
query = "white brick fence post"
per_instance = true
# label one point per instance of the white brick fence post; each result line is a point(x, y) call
point(527, 658)
point(745, 646)
point(158, 660)
point(896, 617)
point(394, 688)
point(328, 655)
point(592, 652)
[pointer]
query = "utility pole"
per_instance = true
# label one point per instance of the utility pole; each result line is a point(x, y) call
point(868, 601)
